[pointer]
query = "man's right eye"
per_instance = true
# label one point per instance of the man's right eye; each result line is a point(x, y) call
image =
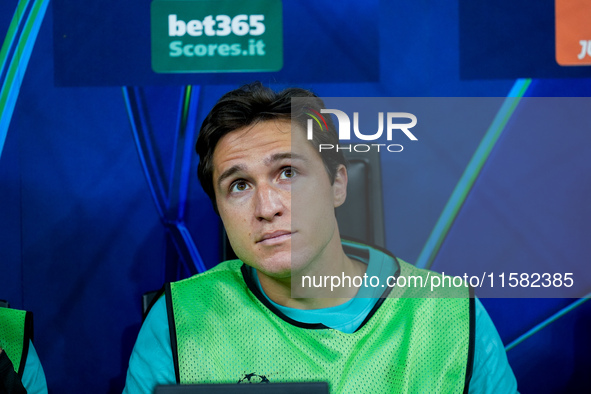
point(238, 186)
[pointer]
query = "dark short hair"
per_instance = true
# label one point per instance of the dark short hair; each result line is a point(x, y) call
point(255, 103)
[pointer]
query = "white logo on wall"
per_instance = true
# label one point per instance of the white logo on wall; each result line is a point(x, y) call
point(585, 49)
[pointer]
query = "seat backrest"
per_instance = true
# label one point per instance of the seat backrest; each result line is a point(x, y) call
point(361, 217)
point(148, 300)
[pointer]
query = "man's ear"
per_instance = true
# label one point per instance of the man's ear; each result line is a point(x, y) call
point(339, 186)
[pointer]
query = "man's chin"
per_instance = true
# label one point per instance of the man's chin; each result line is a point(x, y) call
point(278, 267)
point(277, 270)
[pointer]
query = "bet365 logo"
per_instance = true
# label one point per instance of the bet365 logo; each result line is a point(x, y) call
point(216, 35)
point(391, 124)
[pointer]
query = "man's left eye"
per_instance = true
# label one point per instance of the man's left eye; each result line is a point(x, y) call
point(287, 173)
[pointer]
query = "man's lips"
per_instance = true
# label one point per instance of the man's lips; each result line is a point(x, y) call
point(275, 237)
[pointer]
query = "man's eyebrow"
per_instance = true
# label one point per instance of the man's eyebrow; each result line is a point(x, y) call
point(229, 172)
point(282, 156)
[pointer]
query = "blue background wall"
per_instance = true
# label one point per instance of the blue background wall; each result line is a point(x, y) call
point(81, 237)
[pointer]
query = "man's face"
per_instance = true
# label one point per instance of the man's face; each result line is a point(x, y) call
point(261, 177)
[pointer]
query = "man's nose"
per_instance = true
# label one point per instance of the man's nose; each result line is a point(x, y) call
point(269, 202)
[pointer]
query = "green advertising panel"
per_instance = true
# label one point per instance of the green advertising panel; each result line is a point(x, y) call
point(216, 36)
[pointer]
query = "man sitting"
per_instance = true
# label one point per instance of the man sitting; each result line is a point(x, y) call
point(253, 319)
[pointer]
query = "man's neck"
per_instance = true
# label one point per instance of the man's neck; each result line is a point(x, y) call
point(280, 290)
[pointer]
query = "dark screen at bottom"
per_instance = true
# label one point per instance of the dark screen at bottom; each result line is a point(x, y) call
point(271, 388)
